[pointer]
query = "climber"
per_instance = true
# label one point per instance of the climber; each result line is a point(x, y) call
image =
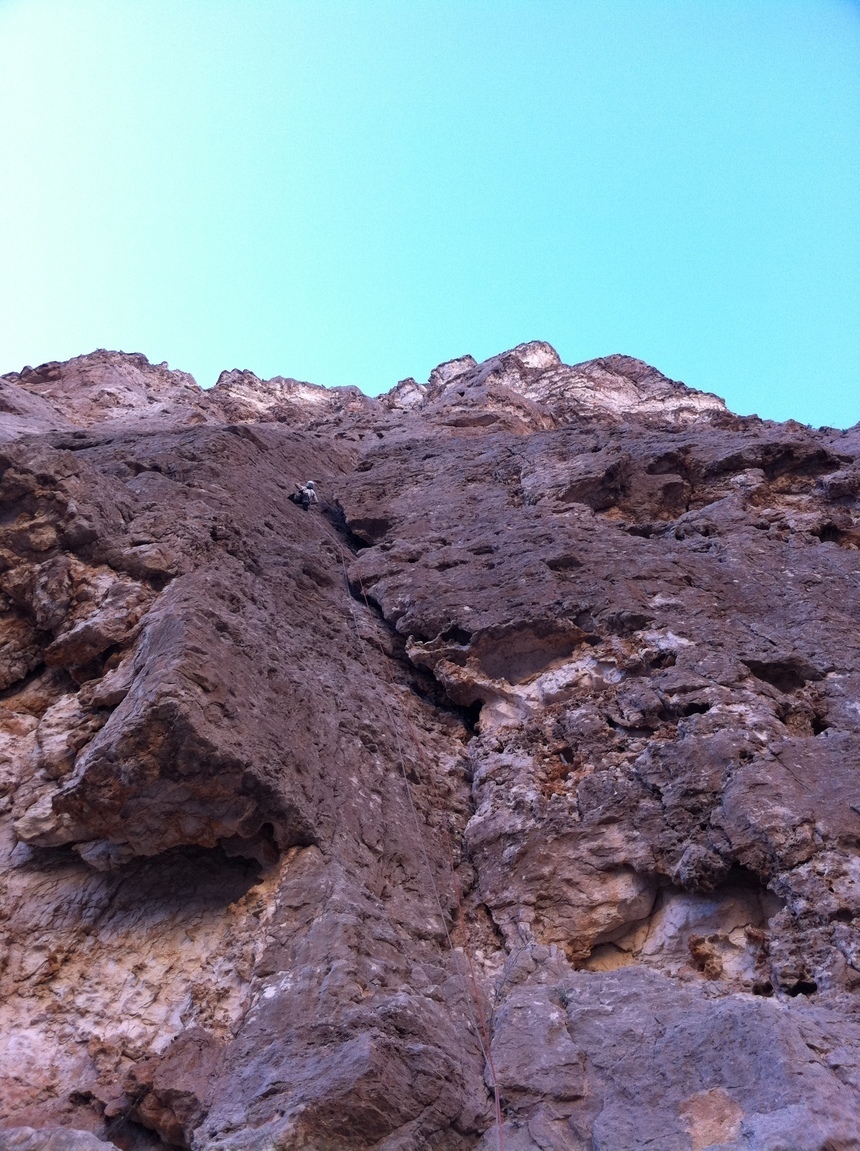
point(306, 495)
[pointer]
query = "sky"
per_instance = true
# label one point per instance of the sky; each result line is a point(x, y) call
point(352, 191)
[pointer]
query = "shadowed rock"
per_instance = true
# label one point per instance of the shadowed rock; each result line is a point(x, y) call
point(578, 632)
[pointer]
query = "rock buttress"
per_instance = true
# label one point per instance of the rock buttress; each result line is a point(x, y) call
point(598, 628)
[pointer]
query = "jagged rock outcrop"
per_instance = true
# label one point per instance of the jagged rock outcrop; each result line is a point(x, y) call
point(540, 731)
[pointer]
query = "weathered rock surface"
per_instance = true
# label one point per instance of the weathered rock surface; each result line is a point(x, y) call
point(541, 731)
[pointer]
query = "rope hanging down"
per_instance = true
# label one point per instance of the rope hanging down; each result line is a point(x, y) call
point(470, 983)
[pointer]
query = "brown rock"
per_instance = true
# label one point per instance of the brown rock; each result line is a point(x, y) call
point(577, 634)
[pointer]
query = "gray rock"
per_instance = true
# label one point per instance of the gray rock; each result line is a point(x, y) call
point(47, 1139)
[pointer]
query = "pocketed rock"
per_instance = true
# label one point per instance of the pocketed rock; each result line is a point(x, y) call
point(539, 732)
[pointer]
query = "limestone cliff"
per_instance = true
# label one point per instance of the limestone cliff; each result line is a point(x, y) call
point(527, 758)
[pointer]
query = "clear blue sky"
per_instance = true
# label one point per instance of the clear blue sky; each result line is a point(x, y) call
point(349, 191)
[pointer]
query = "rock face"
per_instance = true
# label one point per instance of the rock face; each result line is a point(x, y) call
point(527, 758)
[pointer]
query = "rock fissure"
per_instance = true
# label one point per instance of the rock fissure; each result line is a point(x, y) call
point(599, 626)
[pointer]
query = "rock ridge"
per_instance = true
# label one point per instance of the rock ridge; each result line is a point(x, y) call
point(560, 678)
point(106, 387)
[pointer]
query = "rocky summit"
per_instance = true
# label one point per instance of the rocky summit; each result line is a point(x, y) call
point(506, 797)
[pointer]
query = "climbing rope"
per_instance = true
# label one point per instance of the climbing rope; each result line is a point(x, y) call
point(470, 985)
